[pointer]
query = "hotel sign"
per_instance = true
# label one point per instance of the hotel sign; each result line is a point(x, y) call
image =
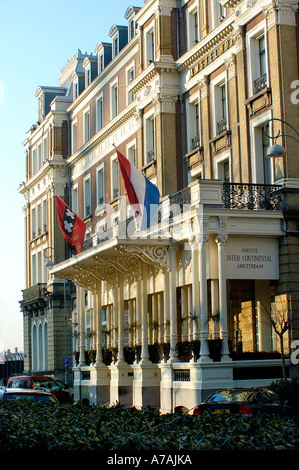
point(252, 258)
point(208, 58)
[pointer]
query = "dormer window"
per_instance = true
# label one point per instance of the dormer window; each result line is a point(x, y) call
point(104, 55)
point(129, 16)
point(115, 46)
point(90, 65)
point(119, 36)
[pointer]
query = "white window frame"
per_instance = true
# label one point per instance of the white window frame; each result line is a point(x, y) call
point(218, 13)
point(75, 88)
point(115, 178)
point(219, 162)
point(193, 35)
point(33, 223)
point(192, 131)
point(86, 125)
point(34, 160)
point(216, 102)
point(130, 75)
point(257, 157)
point(100, 169)
point(87, 197)
point(75, 198)
point(253, 55)
point(44, 215)
point(75, 136)
point(150, 136)
point(45, 149)
point(114, 100)
point(100, 112)
point(115, 45)
point(150, 44)
point(101, 65)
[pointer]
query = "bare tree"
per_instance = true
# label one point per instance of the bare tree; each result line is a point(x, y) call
point(277, 315)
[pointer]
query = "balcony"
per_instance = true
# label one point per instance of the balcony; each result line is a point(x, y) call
point(252, 196)
point(260, 83)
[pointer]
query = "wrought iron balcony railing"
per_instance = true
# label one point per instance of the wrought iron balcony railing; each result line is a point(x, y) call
point(260, 83)
point(252, 196)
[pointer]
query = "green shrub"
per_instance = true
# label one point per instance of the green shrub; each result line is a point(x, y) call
point(288, 391)
point(26, 425)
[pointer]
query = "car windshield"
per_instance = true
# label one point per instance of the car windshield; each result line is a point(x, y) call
point(22, 396)
point(230, 395)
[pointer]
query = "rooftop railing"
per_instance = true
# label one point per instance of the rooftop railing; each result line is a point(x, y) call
point(252, 196)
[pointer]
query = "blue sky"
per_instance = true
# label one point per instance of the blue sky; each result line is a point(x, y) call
point(37, 37)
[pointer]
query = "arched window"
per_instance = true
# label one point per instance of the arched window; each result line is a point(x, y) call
point(34, 347)
point(40, 351)
point(45, 345)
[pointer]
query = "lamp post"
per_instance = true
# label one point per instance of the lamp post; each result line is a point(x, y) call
point(276, 150)
point(48, 264)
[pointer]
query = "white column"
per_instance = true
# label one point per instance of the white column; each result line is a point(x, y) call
point(172, 304)
point(204, 348)
point(190, 323)
point(81, 317)
point(215, 308)
point(120, 310)
point(144, 337)
point(160, 317)
point(221, 241)
point(98, 322)
point(184, 313)
point(138, 313)
point(166, 306)
point(195, 290)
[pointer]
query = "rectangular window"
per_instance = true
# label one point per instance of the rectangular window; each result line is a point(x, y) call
point(114, 100)
point(74, 137)
point(130, 78)
point(194, 125)
point(45, 150)
point(86, 126)
point(194, 34)
point(100, 186)
point(99, 113)
point(150, 139)
point(261, 81)
point(45, 215)
point(115, 46)
point(131, 29)
point(33, 270)
point(39, 219)
point(34, 162)
point(87, 197)
point(75, 199)
point(131, 154)
point(150, 46)
point(115, 178)
point(101, 63)
point(221, 107)
point(257, 60)
point(33, 223)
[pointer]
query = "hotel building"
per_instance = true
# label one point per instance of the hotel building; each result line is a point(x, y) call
point(193, 93)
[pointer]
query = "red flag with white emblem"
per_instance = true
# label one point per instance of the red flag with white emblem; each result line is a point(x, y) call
point(72, 227)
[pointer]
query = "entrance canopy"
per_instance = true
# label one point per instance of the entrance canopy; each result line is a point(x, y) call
point(105, 261)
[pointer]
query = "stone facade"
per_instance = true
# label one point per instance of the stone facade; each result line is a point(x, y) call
point(164, 316)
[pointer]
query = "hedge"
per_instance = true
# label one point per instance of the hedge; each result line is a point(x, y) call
point(26, 425)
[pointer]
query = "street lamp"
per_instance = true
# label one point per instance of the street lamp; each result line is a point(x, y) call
point(48, 264)
point(276, 150)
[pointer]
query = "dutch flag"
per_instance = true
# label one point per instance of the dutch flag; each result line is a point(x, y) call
point(143, 195)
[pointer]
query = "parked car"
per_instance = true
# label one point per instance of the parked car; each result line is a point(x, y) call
point(41, 382)
point(245, 402)
point(40, 396)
